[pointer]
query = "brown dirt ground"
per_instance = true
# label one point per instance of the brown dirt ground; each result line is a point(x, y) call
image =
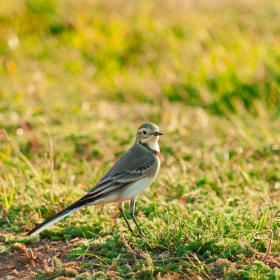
point(24, 260)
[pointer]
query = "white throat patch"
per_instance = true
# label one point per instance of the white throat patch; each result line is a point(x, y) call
point(152, 143)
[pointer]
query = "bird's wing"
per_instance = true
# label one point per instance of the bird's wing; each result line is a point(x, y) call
point(131, 167)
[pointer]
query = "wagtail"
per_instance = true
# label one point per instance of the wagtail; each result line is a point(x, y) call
point(132, 173)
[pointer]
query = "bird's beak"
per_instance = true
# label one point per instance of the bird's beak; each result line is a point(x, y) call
point(157, 133)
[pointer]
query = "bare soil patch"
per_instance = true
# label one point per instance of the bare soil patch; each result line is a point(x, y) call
point(25, 259)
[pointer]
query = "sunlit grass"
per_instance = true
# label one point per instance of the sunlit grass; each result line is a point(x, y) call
point(215, 197)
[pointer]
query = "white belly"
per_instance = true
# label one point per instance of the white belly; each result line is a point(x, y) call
point(134, 189)
point(126, 193)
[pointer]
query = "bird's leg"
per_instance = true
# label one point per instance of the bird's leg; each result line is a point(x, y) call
point(131, 211)
point(126, 220)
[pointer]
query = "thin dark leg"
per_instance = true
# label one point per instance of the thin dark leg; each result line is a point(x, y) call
point(125, 218)
point(131, 211)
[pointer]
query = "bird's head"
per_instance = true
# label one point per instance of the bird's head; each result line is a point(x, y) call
point(148, 134)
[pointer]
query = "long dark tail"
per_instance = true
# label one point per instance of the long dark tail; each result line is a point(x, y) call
point(88, 199)
point(67, 211)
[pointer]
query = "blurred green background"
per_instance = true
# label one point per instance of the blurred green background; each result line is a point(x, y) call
point(223, 56)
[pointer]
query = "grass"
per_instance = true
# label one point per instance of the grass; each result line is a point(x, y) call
point(79, 77)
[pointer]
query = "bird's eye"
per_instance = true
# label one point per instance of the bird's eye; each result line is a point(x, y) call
point(144, 132)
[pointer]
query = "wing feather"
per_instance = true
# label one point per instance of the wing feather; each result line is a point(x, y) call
point(133, 165)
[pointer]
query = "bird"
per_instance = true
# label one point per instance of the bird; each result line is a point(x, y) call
point(132, 173)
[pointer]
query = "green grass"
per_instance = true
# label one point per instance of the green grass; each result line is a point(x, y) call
point(78, 78)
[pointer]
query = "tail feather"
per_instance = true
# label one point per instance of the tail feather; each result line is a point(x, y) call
point(67, 211)
point(88, 199)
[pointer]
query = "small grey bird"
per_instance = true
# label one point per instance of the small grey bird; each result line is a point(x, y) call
point(132, 173)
